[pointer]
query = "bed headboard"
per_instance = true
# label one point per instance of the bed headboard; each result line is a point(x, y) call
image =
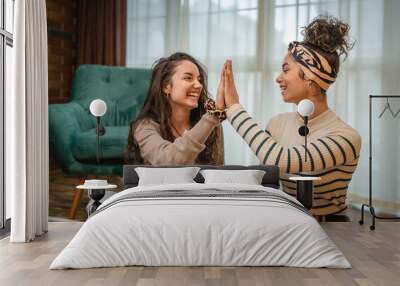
point(270, 179)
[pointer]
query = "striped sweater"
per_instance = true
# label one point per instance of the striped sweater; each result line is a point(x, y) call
point(333, 152)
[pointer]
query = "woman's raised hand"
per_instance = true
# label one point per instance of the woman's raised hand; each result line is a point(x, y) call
point(220, 100)
point(231, 95)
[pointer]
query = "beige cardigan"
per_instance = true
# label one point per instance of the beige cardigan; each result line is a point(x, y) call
point(156, 150)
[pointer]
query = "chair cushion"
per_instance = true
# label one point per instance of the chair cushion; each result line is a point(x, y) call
point(112, 144)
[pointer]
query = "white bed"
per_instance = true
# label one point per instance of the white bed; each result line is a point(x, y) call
point(224, 225)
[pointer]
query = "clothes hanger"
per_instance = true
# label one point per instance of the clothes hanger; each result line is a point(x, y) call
point(387, 106)
point(397, 113)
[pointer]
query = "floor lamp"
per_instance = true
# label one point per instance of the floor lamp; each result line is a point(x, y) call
point(97, 108)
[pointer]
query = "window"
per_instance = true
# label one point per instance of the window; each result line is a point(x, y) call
point(224, 27)
point(146, 32)
point(6, 44)
point(256, 35)
point(158, 28)
point(366, 22)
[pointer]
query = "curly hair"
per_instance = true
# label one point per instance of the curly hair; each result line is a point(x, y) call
point(328, 36)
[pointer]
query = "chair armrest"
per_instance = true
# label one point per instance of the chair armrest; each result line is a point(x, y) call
point(66, 120)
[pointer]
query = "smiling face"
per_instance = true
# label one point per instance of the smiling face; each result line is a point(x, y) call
point(293, 87)
point(185, 86)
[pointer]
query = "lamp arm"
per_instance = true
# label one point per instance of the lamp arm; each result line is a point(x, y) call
point(305, 136)
point(100, 131)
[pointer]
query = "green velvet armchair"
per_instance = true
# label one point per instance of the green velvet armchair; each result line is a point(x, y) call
point(72, 127)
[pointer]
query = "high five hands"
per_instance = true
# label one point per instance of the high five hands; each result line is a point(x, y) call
point(226, 94)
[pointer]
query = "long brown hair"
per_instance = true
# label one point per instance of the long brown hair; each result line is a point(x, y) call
point(156, 107)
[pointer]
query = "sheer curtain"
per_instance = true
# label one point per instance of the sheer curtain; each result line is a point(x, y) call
point(255, 34)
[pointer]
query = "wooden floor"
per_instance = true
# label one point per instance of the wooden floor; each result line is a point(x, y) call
point(374, 255)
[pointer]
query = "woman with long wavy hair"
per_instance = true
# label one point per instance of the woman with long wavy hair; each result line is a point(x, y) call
point(177, 125)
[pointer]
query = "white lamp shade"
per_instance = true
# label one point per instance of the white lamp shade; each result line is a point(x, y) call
point(98, 107)
point(305, 107)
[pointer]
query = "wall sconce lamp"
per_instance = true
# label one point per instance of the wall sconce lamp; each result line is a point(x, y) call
point(98, 108)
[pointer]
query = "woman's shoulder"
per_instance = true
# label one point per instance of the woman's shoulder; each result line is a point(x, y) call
point(345, 130)
point(340, 124)
point(146, 124)
point(348, 129)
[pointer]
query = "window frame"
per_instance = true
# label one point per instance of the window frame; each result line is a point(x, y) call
point(6, 39)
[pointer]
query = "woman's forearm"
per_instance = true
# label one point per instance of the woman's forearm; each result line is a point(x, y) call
point(158, 151)
point(323, 153)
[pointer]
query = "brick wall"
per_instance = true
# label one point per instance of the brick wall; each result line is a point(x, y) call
point(61, 28)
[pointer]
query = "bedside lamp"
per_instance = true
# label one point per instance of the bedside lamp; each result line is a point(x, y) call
point(98, 108)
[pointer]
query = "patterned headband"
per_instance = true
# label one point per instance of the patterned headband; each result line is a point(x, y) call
point(314, 66)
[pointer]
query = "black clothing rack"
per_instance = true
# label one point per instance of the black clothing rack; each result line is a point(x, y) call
point(369, 205)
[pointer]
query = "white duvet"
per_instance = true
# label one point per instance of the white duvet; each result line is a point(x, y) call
point(183, 231)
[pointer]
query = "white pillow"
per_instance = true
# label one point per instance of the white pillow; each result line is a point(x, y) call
point(248, 177)
point(166, 176)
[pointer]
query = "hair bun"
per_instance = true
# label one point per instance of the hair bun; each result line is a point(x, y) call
point(328, 34)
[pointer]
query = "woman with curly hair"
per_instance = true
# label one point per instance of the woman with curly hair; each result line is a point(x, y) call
point(178, 124)
point(308, 69)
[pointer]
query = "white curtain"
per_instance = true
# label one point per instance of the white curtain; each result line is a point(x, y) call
point(255, 34)
point(27, 124)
